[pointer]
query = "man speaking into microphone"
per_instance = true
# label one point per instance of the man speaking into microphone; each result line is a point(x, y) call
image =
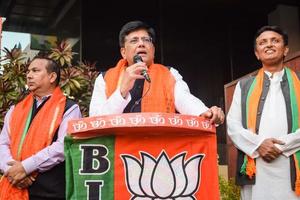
point(123, 88)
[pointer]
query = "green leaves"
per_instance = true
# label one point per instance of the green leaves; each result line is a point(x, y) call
point(62, 54)
point(12, 79)
point(76, 80)
point(228, 189)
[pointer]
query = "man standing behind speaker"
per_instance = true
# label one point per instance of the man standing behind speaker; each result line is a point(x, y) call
point(123, 88)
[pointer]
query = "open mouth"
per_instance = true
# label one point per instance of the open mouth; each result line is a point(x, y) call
point(270, 51)
point(141, 53)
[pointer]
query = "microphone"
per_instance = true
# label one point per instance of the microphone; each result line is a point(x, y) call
point(137, 58)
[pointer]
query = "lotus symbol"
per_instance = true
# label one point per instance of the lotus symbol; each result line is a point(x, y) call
point(162, 178)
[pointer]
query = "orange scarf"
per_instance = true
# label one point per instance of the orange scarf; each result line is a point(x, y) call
point(160, 97)
point(26, 141)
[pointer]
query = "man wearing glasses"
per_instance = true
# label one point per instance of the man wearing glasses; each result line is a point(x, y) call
point(123, 88)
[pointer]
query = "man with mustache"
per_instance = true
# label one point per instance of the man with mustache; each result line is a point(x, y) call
point(32, 138)
point(263, 123)
point(123, 89)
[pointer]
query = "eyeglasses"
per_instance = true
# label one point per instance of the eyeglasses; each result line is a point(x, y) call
point(145, 40)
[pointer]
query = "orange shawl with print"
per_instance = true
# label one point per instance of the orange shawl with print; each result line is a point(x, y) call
point(160, 97)
point(26, 141)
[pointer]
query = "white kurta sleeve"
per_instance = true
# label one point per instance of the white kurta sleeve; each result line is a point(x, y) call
point(101, 105)
point(243, 139)
point(292, 143)
point(185, 102)
point(5, 153)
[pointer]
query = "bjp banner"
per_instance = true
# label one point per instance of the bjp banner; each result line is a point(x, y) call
point(141, 156)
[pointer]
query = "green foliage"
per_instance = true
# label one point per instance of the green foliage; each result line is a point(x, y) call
point(12, 79)
point(76, 79)
point(228, 189)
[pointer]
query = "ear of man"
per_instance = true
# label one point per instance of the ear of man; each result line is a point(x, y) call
point(52, 77)
point(286, 50)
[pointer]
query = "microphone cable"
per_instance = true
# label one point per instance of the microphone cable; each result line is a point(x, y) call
point(140, 99)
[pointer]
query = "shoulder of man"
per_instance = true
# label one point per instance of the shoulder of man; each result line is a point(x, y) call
point(103, 73)
point(168, 67)
point(69, 104)
point(163, 66)
point(246, 82)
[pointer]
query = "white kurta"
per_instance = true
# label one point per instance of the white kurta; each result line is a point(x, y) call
point(185, 102)
point(272, 179)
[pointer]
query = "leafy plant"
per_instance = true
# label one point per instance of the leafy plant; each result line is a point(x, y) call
point(62, 53)
point(228, 189)
point(12, 79)
point(76, 79)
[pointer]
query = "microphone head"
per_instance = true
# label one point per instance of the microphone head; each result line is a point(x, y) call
point(137, 58)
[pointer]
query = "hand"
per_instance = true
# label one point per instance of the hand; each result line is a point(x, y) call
point(268, 151)
point(16, 172)
point(215, 114)
point(26, 182)
point(130, 74)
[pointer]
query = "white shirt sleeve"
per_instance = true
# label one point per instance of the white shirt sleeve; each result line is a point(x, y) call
point(5, 153)
point(185, 102)
point(243, 139)
point(292, 143)
point(100, 105)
